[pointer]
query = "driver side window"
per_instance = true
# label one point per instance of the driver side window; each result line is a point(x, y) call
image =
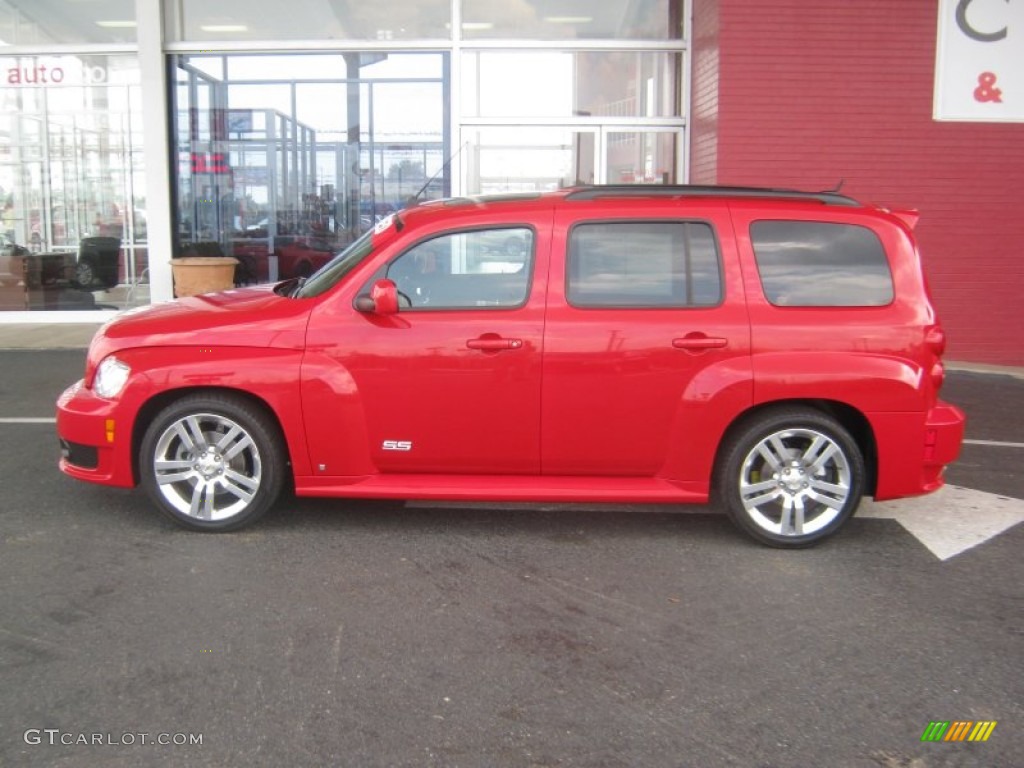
point(479, 269)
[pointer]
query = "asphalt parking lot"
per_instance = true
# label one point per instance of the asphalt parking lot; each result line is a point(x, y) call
point(391, 634)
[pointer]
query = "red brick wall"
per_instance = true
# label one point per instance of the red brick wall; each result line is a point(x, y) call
point(704, 96)
point(808, 92)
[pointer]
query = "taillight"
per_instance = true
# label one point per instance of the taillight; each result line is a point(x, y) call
point(935, 341)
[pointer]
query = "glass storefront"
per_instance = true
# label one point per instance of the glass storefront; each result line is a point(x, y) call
point(601, 117)
point(49, 22)
point(74, 212)
point(572, 20)
point(285, 159)
point(292, 131)
point(201, 20)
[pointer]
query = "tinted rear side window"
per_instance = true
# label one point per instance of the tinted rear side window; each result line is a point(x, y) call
point(643, 264)
point(817, 264)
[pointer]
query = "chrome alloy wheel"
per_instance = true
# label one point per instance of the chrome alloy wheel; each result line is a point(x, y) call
point(207, 466)
point(795, 482)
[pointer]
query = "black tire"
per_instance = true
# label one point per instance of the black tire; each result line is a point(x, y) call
point(85, 274)
point(213, 462)
point(790, 477)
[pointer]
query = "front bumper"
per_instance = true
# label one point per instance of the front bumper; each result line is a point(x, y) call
point(96, 437)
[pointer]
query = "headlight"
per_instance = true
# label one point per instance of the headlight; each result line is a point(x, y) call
point(111, 376)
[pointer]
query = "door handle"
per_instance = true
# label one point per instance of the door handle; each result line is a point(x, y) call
point(698, 342)
point(494, 343)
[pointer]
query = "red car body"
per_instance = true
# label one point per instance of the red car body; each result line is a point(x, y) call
point(544, 400)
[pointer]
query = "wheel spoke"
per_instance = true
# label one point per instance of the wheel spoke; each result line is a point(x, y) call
point(792, 521)
point(819, 462)
point(756, 494)
point(829, 501)
point(753, 488)
point(228, 437)
point(196, 430)
point(756, 501)
point(191, 435)
point(202, 502)
point(169, 478)
point(810, 456)
point(775, 460)
point(829, 488)
point(240, 486)
point(787, 514)
point(798, 518)
point(244, 443)
point(168, 464)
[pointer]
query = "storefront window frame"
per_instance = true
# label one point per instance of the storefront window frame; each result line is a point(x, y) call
point(156, 19)
point(116, 30)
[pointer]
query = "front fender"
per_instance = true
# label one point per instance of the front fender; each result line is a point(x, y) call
point(267, 374)
point(335, 419)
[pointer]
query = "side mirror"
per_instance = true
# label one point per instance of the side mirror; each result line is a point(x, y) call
point(381, 300)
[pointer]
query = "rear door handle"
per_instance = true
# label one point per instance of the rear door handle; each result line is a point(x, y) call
point(494, 343)
point(698, 342)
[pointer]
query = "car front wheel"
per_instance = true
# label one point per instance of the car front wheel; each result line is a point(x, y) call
point(791, 477)
point(212, 462)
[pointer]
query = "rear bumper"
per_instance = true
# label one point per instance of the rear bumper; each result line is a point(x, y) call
point(95, 438)
point(913, 452)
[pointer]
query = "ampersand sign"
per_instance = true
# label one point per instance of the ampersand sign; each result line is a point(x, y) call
point(986, 91)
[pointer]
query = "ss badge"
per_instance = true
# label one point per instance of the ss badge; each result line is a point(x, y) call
point(397, 445)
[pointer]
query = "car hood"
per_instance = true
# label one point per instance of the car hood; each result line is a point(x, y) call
point(243, 317)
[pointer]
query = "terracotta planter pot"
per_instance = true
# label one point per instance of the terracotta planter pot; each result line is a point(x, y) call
point(194, 275)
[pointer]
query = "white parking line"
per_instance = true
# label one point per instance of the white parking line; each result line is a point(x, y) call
point(28, 421)
point(997, 443)
point(951, 520)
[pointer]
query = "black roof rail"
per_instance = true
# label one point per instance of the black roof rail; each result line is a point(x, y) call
point(696, 190)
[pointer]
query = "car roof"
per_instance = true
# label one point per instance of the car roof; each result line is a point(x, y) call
point(623, 191)
point(420, 213)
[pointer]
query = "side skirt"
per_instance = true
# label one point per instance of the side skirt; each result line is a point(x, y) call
point(636, 490)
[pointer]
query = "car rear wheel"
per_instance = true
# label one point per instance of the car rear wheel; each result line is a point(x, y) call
point(212, 462)
point(791, 478)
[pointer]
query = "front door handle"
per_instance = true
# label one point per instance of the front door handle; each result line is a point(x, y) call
point(698, 342)
point(491, 343)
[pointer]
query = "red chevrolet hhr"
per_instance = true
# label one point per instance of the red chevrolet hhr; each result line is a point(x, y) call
point(773, 351)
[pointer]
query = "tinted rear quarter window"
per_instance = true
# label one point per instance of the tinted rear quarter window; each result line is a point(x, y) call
point(643, 264)
point(821, 264)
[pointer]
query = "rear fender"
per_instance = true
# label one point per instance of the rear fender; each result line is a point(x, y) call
point(714, 398)
point(868, 383)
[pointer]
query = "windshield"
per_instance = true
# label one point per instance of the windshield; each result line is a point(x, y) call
point(330, 273)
